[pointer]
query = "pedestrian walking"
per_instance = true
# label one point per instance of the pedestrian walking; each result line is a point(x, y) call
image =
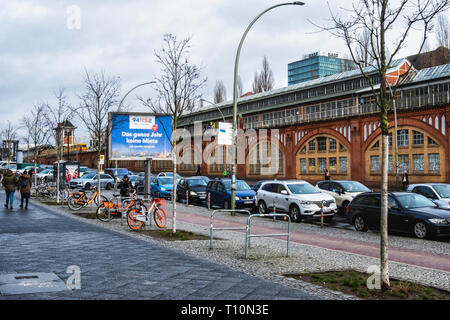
point(10, 183)
point(197, 171)
point(24, 186)
point(405, 181)
point(327, 174)
point(125, 187)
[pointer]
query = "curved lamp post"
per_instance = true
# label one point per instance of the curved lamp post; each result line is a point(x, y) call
point(233, 176)
point(215, 105)
point(118, 109)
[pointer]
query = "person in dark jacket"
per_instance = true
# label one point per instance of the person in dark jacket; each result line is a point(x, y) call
point(327, 174)
point(125, 187)
point(24, 186)
point(405, 181)
point(10, 183)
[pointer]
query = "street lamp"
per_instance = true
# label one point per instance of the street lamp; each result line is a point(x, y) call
point(118, 109)
point(215, 105)
point(233, 176)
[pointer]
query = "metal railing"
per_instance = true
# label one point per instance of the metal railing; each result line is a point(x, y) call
point(211, 229)
point(249, 235)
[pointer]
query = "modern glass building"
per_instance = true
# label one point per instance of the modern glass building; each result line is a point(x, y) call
point(317, 65)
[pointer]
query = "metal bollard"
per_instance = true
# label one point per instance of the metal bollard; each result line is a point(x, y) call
point(321, 216)
point(274, 209)
point(187, 197)
point(209, 200)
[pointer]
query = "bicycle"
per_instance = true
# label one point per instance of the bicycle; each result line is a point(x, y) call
point(136, 218)
point(117, 206)
point(78, 200)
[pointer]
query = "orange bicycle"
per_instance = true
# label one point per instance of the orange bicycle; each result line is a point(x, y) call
point(107, 210)
point(138, 217)
point(80, 199)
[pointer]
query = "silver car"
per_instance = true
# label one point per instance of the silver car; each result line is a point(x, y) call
point(439, 193)
point(296, 197)
point(87, 181)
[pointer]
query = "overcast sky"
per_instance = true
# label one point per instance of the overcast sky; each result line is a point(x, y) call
point(39, 52)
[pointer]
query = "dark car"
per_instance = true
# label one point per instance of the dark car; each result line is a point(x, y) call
point(219, 191)
point(118, 173)
point(407, 213)
point(258, 185)
point(192, 187)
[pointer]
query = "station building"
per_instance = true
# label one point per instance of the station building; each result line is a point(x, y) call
point(333, 122)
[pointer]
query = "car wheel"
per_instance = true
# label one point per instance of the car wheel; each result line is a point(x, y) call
point(108, 186)
point(262, 208)
point(226, 205)
point(360, 224)
point(294, 213)
point(420, 230)
point(87, 186)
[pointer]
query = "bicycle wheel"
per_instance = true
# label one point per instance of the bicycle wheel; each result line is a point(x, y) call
point(160, 217)
point(102, 213)
point(103, 199)
point(133, 223)
point(75, 205)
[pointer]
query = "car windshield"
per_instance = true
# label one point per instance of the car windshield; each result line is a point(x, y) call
point(354, 186)
point(240, 185)
point(412, 201)
point(88, 176)
point(302, 188)
point(197, 183)
point(443, 190)
point(165, 180)
point(45, 171)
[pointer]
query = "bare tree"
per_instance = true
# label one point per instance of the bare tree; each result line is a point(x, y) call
point(9, 133)
point(266, 75)
point(220, 92)
point(443, 31)
point(177, 90)
point(56, 115)
point(257, 85)
point(100, 97)
point(362, 49)
point(38, 132)
point(240, 87)
point(389, 26)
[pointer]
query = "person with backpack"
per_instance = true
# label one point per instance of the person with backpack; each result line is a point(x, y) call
point(10, 183)
point(24, 188)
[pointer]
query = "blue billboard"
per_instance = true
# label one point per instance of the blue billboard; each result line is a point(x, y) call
point(138, 136)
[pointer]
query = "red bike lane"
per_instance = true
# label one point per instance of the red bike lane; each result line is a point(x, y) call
point(396, 254)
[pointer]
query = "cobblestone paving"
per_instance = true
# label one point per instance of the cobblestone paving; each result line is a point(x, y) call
point(116, 266)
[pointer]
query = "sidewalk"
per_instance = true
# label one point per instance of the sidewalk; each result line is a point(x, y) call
point(114, 265)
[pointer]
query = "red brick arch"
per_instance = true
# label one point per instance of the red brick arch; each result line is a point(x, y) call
point(339, 137)
point(433, 132)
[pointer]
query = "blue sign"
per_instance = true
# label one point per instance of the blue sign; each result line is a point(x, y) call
point(140, 136)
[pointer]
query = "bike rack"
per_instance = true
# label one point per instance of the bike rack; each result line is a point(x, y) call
point(211, 229)
point(249, 235)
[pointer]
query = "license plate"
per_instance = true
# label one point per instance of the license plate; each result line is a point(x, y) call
point(248, 201)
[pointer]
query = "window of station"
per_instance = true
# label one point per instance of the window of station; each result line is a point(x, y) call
point(265, 159)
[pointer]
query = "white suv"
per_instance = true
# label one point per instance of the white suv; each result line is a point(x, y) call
point(343, 191)
point(296, 197)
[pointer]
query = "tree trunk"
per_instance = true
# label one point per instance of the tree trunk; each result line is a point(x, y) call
point(384, 268)
point(174, 192)
point(98, 178)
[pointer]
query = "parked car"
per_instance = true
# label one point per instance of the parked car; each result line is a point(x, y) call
point(118, 173)
point(161, 187)
point(89, 180)
point(343, 191)
point(296, 197)
point(220, 194)
point(27, 168)
point(84, 170)
point(439, 193)
point(258, 185)
point(45, 175)
point(168, 174)
point(194, 186)
point(408, 212)
point(134, 180)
